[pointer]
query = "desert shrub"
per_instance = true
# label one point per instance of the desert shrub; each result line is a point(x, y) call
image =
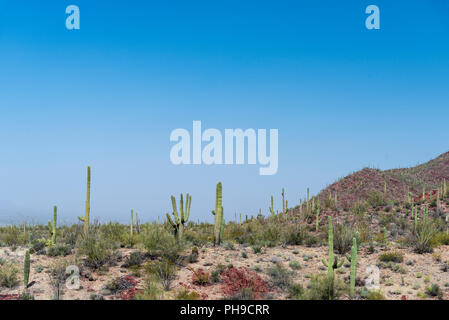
point(59, 250)
point(271, 234)
point(37, 245)
point(134, 259)
point(215, 276)
point(295, 291)
point(234, 280)
point(392, 256)
point(434, 291)
point(342, 239)
point(200, 277)
point(160, 243)
point(295, 265)
point(257, 249)
point(372, 295)
point(376, 199)
point(165, 270)
point(310, 241)
point(114, 232)
point(424, 233)
point(184, 294)
point(358, 209)
point(59, 273)
point(242, 294)
point(8, 274)
point(441, 238)
point(97, 250)
point(280, 277)
point(318, 288)
point(151, 290)
point(294, 234)
point(120, 284)
point(193, 256)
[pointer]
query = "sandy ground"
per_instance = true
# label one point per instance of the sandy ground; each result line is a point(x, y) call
point(418, 271)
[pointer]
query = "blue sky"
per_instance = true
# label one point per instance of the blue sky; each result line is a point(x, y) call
point(108, 95)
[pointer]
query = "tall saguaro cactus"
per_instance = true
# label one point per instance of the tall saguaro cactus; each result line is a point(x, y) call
point(131, 226)
point(353, 260)
point(52, 226)
point(271, 207)
point(317, 219)
point(332, 263)
point(283, 201)
point(86, 217)
point(179, 219)
point(218, 213)
point(26, 269)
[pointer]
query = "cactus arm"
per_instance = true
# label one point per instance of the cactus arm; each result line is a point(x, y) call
point(175, 209)
point(181, 209)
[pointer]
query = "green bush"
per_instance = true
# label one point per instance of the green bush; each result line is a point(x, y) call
point(434, 291)
point(8, 274)
point(165, 270)
point(97, 250)
point(342, 239)
point(423, 236)
point(391, 256)
point(280, 277)
point(59, 250)
point(318, 288)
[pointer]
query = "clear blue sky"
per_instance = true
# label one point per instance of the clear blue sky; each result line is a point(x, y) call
point(108, 95)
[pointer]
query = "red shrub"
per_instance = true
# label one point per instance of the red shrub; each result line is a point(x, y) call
point(234, 280)
point(200, 277)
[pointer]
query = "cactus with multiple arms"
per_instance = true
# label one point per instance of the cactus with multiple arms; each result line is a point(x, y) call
point(180, 219)
point(52, 227)
point(218, 213)
point(332, 263)
point(86, 217)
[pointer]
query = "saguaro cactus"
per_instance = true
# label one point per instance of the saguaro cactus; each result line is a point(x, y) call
point(179, 219)
point(353, 260)
point(445, 189)
point(86, 217)
point(26, 269)
point(283, 201)
point(271, 207)
point(131, 226)
point(52, 226)
point(317, 218)
point(332, 263)
point(218, 212)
